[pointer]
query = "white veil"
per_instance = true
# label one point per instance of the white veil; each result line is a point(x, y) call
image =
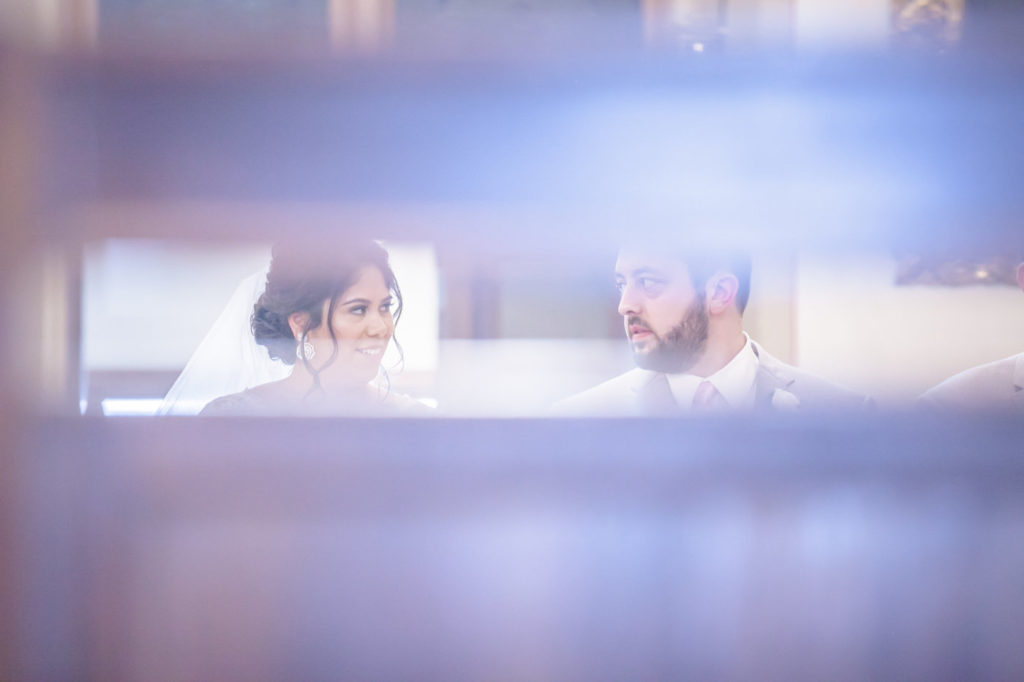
point(228, 359)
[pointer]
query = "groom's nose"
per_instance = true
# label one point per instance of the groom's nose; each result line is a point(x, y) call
point(629, 302)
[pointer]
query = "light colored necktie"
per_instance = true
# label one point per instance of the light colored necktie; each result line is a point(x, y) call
point(707, 397)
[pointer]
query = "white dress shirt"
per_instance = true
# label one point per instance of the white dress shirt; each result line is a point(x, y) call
point(734, 382)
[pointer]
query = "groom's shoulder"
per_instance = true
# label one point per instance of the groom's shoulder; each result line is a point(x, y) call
point(614, 396)
point(811, 390)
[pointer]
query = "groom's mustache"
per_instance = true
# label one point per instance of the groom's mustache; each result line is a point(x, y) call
point(634, 321)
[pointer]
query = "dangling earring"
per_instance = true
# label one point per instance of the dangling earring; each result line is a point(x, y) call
point(305, 349)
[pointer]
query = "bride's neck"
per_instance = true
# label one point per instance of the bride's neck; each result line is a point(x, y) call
point(301, 382)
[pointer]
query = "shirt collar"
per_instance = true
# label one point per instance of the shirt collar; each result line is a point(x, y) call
point(735, 382)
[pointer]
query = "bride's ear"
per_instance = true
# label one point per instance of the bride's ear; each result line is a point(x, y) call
point(298, 323)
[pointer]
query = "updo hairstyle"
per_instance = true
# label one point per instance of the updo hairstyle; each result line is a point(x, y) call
point(301, 278)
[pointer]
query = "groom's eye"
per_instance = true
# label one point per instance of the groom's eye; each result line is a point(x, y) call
point(648, 283)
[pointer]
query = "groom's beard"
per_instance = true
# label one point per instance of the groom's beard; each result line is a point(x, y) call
point(680, 349)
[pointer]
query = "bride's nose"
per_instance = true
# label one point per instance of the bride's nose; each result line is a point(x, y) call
point(377, 326)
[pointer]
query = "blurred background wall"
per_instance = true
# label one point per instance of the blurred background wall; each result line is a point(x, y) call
point(857, 326)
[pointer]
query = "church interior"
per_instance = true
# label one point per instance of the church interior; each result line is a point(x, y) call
point(865, 155)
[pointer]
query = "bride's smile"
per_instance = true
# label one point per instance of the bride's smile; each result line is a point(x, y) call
point(362, 323)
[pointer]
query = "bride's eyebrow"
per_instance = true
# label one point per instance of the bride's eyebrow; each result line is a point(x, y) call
point(357, 300)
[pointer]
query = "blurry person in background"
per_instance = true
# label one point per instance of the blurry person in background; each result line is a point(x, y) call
point(996, 386)
point(684, 320)
point(328, 310)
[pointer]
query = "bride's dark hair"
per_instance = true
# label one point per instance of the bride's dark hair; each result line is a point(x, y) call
point(303, 276)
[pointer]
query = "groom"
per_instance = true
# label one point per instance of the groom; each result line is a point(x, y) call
point(684, 320)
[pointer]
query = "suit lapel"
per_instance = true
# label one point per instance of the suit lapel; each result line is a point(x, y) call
point(771, 377)
point(767, 385)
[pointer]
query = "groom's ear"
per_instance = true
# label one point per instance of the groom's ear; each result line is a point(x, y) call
point(720, 292)
point(298, 323)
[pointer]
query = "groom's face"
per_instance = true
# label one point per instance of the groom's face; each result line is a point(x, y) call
point(663, 314)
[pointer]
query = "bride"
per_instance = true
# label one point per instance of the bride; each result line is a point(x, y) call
point(329, 312)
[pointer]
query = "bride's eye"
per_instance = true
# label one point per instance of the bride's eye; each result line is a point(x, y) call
point(358, 310)
point(386, 306)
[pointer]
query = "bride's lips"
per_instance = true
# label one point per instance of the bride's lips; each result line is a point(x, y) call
point(371, 351)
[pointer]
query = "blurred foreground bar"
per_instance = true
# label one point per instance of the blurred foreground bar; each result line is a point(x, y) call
point(529, 550)
point(563, 154)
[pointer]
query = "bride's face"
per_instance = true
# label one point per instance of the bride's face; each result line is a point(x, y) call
point(363, 324)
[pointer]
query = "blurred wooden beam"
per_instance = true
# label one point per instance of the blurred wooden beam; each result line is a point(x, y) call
point(51, 24)
point(683, 23)
point(19, 133)
point(361, 25)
